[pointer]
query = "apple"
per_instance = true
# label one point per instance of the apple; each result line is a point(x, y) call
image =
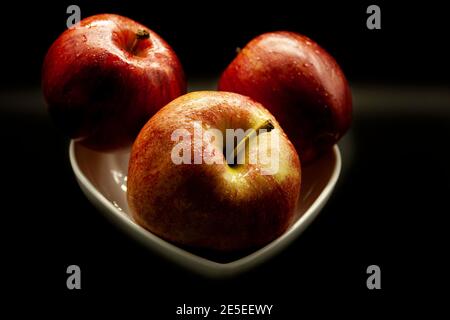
point(222, 206)
point(299, 83)
point(106, 76)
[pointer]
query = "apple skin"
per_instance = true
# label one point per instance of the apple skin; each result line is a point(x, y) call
point(100, 89)
point(300, 83)
point(210, 206)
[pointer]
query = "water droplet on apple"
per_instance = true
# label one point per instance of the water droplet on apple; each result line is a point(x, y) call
point(308, 43)
point(84, 39)
point(306, 64)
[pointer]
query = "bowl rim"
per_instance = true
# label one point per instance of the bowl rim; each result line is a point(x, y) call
point(189, 259)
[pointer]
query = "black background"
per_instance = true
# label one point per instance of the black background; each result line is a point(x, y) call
point(409, 47)
point(390, 208)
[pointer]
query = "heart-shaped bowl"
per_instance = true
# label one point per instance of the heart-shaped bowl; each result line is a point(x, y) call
point(103, 179)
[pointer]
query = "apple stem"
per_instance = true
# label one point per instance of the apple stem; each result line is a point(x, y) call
point(266, 125)
point(141, 34)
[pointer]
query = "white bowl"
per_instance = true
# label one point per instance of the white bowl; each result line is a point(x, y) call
point(102, 177)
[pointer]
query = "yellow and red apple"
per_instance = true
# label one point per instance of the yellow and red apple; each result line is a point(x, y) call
point(105, 77)
point(299, 83)
point(222, 206)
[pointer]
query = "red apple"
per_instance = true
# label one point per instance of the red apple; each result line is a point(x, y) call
point(106, 76)
point(217, 206)
point(300, 83)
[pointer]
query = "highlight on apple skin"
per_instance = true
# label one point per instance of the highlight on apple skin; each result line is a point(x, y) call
point(299, 83)
point(105, 77)
point(216, 206)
